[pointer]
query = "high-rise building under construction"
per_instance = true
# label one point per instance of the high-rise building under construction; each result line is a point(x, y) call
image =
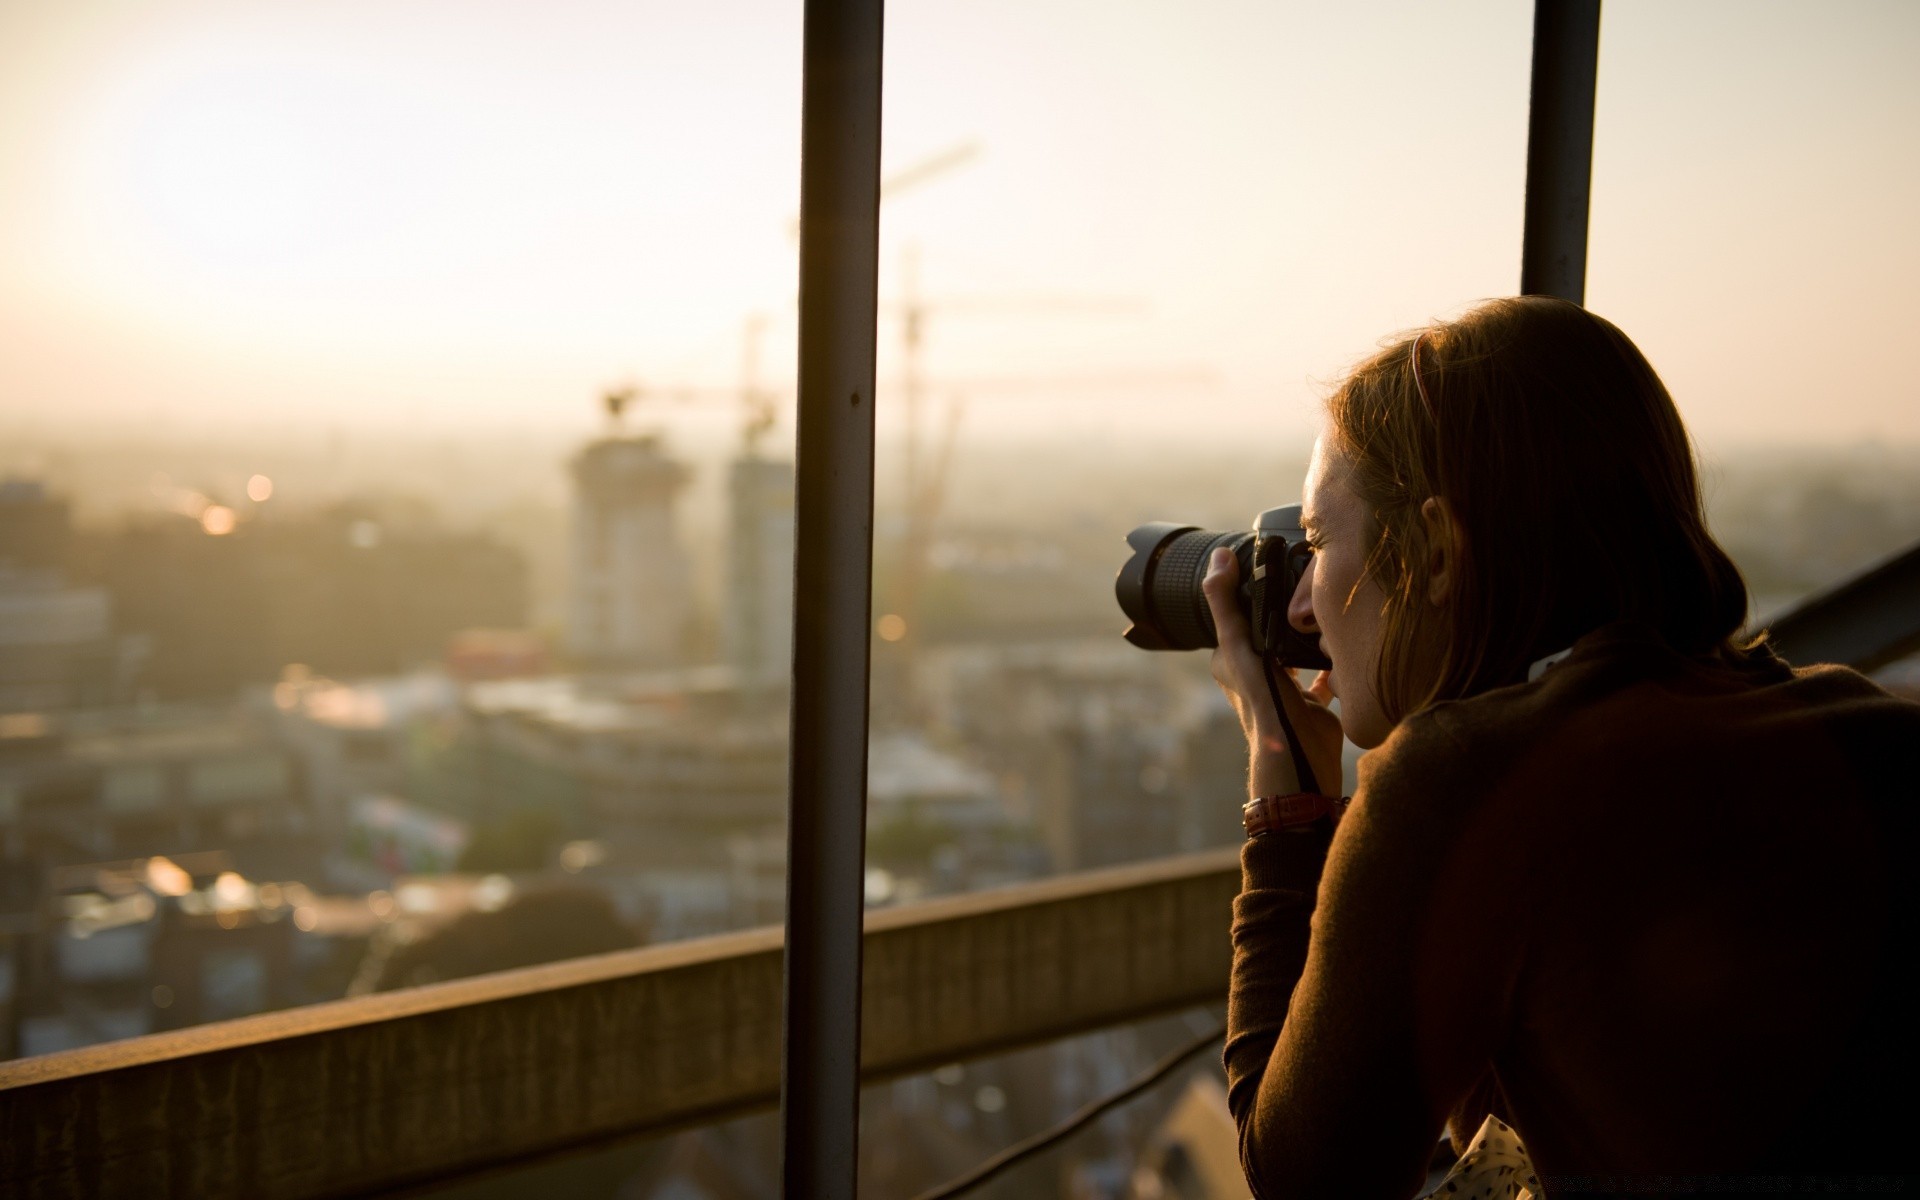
point(757, 622)
point(631, 596)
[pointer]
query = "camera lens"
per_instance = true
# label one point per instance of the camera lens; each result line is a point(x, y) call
point(1159, 587)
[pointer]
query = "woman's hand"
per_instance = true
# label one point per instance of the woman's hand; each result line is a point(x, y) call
point(1242, 676)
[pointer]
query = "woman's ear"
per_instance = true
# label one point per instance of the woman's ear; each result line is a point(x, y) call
point(1443, 550)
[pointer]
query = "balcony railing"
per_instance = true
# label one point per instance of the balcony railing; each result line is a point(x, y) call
point(401, 1088)
point(1868, 620)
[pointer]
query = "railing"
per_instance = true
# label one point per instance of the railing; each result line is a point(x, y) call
point(402, 1088)
point(1869, 620)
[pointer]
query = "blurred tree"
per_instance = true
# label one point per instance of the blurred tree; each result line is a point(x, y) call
point(533, 927)
point(906, 841)
point(522, 840)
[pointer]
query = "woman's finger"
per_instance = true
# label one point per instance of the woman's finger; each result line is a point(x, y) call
point(1235, 666)
point(1221, 588)
point(1321, 690)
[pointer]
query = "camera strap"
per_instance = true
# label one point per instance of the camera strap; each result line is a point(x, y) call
point(1300, 764)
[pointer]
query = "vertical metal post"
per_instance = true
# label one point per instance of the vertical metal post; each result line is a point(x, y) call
point(833, 571)
point(1566, 54)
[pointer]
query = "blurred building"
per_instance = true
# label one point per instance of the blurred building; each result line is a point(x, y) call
point(937, 821)
point(631, 589)
point(391, 837)
point(1090, 744)
point(663, 770)
point(57, 644)
point(121, 783)
point(354, 590)
point(475, 654)
point(757, 607)
point(663, 790)
point(133, 946)
point(366, 749)
point(1212, 776)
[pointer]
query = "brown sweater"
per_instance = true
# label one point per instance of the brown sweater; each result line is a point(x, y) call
point(1654, 910)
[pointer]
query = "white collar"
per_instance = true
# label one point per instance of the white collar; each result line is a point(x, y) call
point(1546, 662)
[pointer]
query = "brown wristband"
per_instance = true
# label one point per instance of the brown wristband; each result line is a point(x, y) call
point(1268, 814)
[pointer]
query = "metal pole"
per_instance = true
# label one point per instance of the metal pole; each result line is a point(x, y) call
point(832, 588)
point(1566, 53)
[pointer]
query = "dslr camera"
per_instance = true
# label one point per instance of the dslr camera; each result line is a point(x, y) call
point(1159, 586)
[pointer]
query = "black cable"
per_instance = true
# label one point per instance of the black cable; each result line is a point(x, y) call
point(1041, 1141)
point(1304, 768)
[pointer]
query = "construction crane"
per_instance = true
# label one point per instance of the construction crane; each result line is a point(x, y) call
point(926, 468)
point(758, 403)
point(925, 483)
point(619, 398)
point(929, 168)
point(915, 312)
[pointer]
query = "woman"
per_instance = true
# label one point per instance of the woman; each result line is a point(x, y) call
point(1646, 899)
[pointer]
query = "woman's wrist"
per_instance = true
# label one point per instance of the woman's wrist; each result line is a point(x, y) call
point(1271, 773)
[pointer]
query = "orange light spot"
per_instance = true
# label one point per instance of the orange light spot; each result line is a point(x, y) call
point(166, 877)
point(217, 520)
point(892, 627)
point(259, 489)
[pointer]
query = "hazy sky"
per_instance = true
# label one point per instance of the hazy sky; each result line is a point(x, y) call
point(349, 212)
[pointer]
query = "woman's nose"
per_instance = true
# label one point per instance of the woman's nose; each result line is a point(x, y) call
point(1300, 606)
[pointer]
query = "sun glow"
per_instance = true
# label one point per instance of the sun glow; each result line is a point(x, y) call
point(218, 520)
point(228, 169)
point(271, 209)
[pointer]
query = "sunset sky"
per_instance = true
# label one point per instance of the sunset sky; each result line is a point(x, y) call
point(464, 214)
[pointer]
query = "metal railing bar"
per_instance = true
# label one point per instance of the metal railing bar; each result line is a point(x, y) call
point(336, 1016)
point(1865, 621)
point(833, 569)
point(1566, 52)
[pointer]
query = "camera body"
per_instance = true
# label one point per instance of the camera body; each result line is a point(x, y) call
point(1159, 586)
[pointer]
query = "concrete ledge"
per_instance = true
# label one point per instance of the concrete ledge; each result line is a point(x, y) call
point(387, 1091)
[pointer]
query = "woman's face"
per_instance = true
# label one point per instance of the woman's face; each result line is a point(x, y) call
point(1334, 601)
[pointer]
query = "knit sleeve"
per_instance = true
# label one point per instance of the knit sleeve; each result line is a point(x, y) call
point(1279, 876)
point(1358, 1014)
